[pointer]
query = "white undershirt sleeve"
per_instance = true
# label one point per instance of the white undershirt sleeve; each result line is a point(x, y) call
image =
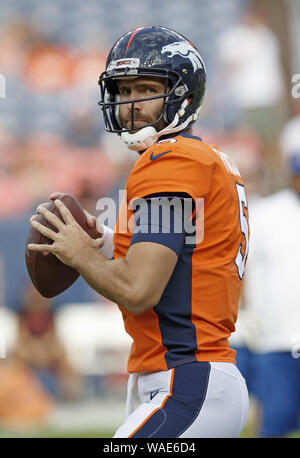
point(107, 248)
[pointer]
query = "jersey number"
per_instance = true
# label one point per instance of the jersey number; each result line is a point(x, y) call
point(240, 259)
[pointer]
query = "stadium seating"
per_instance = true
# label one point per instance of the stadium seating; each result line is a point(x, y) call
point(82, 25)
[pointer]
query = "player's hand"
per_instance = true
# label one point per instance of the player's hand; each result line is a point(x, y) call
point(71, 244)
point(96, 230)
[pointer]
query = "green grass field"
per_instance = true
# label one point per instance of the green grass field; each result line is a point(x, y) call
point(52, 433)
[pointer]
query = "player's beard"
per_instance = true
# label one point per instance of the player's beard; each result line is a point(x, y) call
point(159, 124)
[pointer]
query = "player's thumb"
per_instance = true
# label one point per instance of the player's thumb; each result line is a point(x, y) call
point(90, 219)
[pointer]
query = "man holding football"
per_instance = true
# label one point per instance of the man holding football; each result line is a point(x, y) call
point(178, 296)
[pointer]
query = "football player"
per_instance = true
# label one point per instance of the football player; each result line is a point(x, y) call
point(177, 279)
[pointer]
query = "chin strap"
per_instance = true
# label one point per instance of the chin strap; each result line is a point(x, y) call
point(147, 136)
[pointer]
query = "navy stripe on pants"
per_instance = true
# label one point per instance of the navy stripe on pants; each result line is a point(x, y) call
point(183, 406)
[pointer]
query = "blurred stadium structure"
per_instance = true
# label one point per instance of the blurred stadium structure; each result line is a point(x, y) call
point(52, 139)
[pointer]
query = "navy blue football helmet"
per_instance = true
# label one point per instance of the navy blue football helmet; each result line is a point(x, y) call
point(155, 52)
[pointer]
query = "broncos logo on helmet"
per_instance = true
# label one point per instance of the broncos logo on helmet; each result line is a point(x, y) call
point(185, 50)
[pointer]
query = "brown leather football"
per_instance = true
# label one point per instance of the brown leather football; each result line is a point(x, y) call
point(49, 275)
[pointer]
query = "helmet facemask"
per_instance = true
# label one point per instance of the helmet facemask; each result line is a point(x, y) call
point(110, 99)
point(174, 92)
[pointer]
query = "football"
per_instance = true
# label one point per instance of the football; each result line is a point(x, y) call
point(49, 275)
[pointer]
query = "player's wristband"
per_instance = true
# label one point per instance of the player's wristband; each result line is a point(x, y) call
point(107, 248)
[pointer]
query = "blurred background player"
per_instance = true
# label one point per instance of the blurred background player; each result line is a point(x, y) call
point(272, 293)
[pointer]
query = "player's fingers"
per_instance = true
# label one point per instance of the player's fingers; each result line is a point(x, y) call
point(56, 195)
point(53, 219)
point(44, 230)
point(44, 204)
point(33, 217)
point(65, 212)
point(41, 248)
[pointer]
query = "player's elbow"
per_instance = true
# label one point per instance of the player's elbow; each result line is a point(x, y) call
point(140, 302)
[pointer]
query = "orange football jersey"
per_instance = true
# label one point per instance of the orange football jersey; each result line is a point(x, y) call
point(198, 308)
